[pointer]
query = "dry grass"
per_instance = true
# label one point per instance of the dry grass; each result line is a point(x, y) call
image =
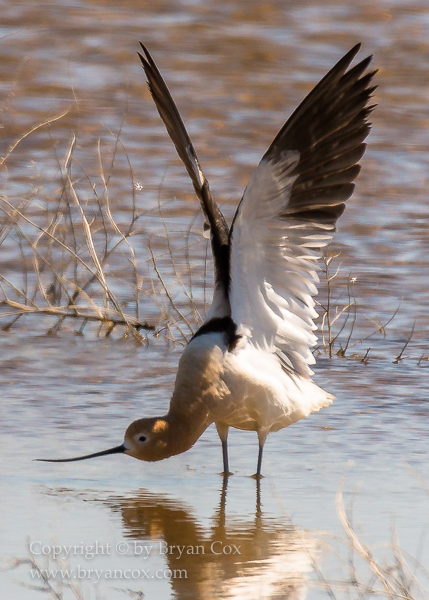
point(52, 587)
point(341, 317)
point(386, 572)
point(78, 264)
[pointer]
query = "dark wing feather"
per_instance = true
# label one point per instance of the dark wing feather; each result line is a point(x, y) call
point(327, 129)
point(219, 231)
point(289, 211)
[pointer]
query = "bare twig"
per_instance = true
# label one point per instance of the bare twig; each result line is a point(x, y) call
point(167, 293)
point(35, 128)
point(363, 551)
point(399, 357)
point(77, 312)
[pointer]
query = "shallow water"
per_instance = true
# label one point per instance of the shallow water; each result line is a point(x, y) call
point(236, 73)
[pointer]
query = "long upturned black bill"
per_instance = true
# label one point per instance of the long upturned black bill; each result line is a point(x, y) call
point(117, 450)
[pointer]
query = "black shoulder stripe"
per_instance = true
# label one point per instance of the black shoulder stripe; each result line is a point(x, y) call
point(221, 325)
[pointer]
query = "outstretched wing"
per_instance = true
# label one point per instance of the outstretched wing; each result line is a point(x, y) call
point(289, 210)
point(219, 231)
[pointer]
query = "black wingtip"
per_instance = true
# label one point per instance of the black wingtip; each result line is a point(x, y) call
point(147, 58)
point(147, 63)
point(143, 60)
point(364, 64)
point(346, 60)
point(349, 56)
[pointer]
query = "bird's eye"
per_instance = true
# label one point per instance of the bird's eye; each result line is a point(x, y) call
point(142, 438)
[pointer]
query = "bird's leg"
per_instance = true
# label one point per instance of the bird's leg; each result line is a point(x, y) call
point(222, 429)
point(262, 436)
point(258, 470)
point(225, 457)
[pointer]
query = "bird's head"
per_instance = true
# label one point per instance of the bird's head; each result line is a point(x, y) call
point(149, 439)
point(145, 439)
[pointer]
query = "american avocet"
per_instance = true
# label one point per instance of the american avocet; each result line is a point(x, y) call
point(247, 366)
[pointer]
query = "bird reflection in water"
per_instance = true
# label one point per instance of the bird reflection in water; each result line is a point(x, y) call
point(263, 558)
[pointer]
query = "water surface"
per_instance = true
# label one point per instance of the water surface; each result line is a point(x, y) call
point(236, 73)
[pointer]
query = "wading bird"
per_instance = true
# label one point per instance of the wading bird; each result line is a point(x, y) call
point(247, 366)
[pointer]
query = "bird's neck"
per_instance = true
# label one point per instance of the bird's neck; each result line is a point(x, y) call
point(182, 431)
point(199, 391)
point(175, 432)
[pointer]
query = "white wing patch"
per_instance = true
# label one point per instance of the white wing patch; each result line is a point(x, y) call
point(274, 266)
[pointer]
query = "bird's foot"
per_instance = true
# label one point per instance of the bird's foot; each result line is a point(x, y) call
point(226, 474)
point(257, 476)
